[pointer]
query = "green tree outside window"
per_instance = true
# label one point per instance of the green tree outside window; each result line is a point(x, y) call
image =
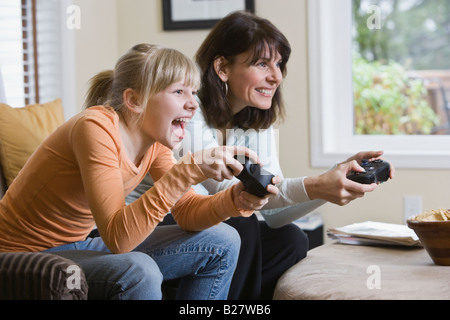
point(413, 35)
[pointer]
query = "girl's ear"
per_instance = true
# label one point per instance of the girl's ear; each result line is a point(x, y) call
point(220, 66)
point(131, 100)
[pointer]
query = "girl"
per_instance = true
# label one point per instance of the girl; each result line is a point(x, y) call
point(81, 174)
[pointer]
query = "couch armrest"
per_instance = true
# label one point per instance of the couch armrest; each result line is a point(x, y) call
point(40, 276)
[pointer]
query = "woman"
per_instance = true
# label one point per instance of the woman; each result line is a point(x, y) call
point(243, 62)
point(80, 175)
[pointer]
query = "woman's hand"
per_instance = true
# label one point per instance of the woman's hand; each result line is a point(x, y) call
point(371, 156)
point(219, 163)
point(245, 201)
point(335, 187)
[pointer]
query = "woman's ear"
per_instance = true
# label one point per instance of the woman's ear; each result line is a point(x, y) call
point(131, 100)
point(220, 66)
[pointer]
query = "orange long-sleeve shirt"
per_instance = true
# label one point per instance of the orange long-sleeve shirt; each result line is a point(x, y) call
point(79, 177)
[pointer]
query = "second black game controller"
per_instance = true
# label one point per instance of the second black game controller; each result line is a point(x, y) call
point(376, 171)
point(255, 179)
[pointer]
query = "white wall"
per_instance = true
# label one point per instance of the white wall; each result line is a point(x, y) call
point(110, 27)
point(140, 21)
point(95, 45)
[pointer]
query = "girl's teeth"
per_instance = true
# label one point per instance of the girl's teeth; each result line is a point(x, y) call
point(265, 91)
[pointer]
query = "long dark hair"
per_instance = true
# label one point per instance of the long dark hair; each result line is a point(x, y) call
point(235, 34)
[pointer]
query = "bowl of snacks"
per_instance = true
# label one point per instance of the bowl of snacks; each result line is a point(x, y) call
point(433, 229)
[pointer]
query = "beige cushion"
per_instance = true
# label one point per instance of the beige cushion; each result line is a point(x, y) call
point(22, 130)
point(347, 272)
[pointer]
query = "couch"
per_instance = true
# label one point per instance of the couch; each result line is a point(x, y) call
point(33, 275)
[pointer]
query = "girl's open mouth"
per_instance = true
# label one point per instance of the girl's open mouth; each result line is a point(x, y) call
point(178, 126)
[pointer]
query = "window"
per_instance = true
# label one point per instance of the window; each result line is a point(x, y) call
point(32, 45)
point(14, 63)
point(335, 124)
point(401, 66)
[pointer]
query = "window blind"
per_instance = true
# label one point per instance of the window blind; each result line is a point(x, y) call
point(11, 53)
point(30, 55)
point(29, 46)
point(48, 16)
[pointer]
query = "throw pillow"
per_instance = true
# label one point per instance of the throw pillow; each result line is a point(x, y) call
point(22, 130)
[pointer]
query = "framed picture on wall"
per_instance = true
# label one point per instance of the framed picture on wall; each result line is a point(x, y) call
point(200, 14)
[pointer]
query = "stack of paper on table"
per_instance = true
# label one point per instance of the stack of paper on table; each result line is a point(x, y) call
point(373, 233)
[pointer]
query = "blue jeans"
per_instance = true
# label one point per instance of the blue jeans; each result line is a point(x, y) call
point(204, 261)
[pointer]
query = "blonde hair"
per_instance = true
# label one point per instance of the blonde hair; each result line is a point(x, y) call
point(145, 68)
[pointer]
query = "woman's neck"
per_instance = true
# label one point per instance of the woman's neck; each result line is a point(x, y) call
point(236, 107)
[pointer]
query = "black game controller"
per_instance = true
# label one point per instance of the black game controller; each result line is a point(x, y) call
point(254, 180)
point(376, 171)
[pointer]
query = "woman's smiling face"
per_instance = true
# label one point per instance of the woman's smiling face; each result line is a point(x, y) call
point(253, 84)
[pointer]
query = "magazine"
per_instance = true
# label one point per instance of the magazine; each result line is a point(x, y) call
point(375, 233)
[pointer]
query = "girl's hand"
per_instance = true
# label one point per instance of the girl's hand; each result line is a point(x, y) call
point(219, 163)
point(245, 201)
